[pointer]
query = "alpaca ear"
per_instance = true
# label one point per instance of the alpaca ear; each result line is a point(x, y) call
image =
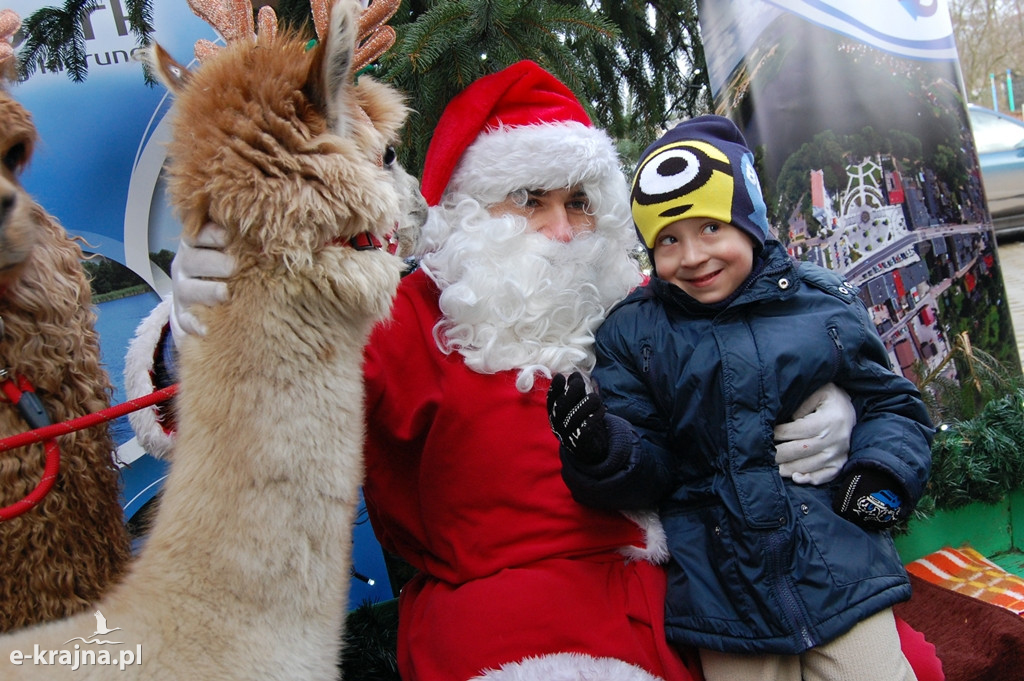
point(336, 66)
point(168, 71)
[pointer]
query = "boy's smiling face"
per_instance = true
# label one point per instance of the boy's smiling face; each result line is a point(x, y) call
point(706, 258)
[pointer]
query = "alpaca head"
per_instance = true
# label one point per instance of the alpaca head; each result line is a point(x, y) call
point(277, 139)
point(19, 231)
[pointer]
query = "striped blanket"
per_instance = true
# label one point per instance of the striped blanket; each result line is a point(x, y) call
point(968, 572)
point(969, 609)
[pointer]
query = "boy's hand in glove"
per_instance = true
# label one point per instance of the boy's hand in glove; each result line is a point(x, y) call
point(871, 499)
point(577, 418)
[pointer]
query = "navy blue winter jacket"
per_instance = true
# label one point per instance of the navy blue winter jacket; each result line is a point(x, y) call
point(758, 564)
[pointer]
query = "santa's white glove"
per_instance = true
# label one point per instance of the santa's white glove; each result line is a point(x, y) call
point(814, 446)
point(197, 278)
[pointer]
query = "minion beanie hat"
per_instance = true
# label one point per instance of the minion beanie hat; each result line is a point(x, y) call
point(700, 168)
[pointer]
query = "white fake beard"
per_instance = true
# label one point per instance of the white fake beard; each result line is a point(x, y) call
point(512, 299)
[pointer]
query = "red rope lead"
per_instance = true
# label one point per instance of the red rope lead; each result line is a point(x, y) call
point(51, 432)
point(36, 495)
point(110, 413)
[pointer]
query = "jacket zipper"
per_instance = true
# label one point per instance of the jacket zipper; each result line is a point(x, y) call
point(833, 333)
point(787, 597)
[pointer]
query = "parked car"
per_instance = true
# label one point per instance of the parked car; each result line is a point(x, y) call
point(999, 139)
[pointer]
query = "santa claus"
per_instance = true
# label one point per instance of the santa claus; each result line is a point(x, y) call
point(528, 243)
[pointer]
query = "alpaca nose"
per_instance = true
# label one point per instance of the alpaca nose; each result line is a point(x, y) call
point(8, 199)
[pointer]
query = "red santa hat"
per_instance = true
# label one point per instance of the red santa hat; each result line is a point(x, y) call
point(519, 128)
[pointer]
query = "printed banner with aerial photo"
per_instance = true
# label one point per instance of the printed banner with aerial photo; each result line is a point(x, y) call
point(857, 115)
point(98, 169)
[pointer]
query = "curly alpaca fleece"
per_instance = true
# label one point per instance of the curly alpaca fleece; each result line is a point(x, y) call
point(62, 555)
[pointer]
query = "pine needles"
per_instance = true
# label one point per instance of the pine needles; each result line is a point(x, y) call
point(979, 459)
point(55, 36)
point(977, 454)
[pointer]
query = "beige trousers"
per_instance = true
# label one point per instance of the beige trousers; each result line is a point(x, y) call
point(868, 652)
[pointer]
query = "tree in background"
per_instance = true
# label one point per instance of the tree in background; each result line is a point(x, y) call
point(636, 65)
point(988, 40)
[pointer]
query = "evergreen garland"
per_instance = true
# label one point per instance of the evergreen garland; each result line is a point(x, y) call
point(979, 459)
point(977, 453)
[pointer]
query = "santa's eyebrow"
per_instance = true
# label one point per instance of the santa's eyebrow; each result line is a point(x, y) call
point(544, 192)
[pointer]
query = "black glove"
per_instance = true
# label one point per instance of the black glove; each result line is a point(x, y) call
point(870, 498)
point(577, 418)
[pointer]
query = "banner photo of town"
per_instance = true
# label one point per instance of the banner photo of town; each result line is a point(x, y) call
point(97, 168)
point(857, 115)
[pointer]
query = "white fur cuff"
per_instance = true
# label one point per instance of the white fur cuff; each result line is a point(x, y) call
point(655, 548)
point(138, 381)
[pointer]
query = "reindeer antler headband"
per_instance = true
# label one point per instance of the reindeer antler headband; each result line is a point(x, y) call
point(233, 20)
point(10, 22)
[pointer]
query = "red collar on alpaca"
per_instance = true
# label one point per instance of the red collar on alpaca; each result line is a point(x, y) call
point(369, 242)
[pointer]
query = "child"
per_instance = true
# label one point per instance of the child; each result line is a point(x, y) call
point(769, 578)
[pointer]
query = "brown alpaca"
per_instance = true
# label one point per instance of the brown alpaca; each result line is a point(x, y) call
point(245, 573)
point(61, 555)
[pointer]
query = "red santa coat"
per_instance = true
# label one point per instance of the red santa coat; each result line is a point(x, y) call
point(464, 482)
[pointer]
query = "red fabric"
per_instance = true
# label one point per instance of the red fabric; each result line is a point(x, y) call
point(521, 94)
point(464, 482)
point(919, 653)
point(601, 606)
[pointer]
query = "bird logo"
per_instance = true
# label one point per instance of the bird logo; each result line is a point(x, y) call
point(101, 630)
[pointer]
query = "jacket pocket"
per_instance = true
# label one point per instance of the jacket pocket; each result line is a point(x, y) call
point(848, 553)
point(705, 581)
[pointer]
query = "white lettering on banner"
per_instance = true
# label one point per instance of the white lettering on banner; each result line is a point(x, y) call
point(81, 654)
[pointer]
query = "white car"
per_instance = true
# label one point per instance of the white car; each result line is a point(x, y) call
point(999, 139)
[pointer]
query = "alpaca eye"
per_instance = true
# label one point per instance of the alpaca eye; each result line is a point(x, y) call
point(15, 157)
point(389, 156)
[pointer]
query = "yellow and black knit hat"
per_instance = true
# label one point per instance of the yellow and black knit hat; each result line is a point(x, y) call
point(699, 168)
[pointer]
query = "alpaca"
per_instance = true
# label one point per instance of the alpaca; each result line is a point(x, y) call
point(245, 572)
point(62, 554)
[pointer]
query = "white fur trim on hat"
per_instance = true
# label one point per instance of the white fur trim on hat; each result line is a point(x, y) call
point(138, 381)
point(542, 156)
point(567, 667)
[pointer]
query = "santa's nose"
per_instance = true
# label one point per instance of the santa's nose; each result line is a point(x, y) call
point(558, 226)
